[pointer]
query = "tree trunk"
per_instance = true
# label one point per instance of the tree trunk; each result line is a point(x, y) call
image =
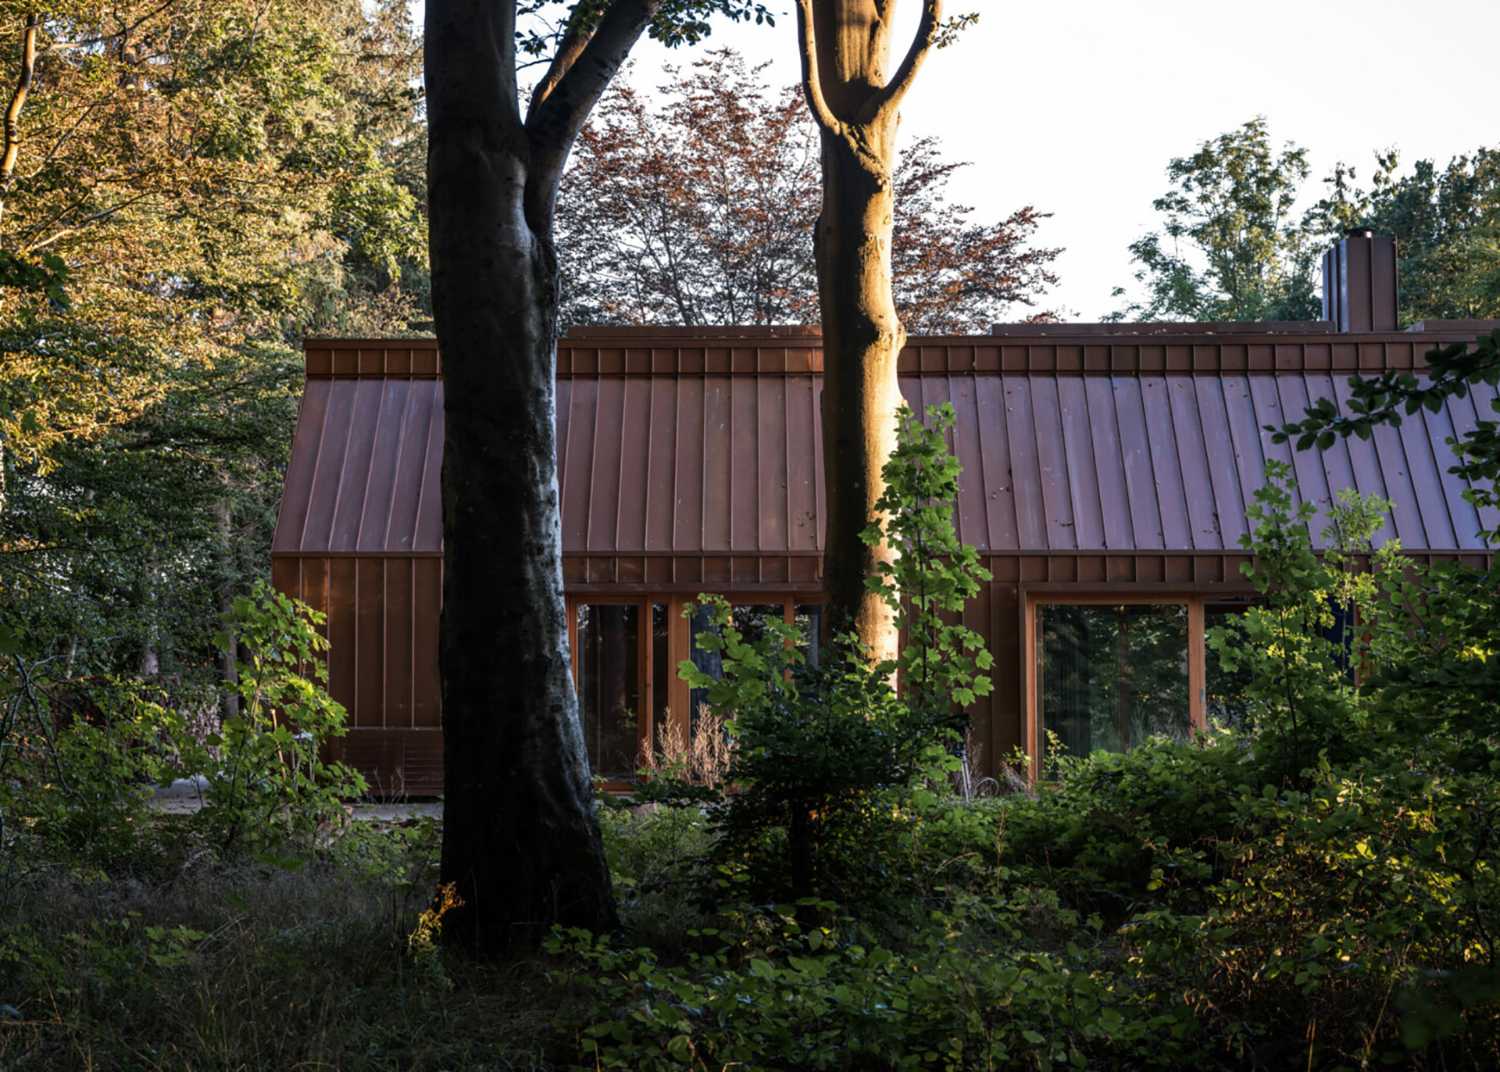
point(862, 337)
point(519, 834)
point(520, 839)
point(844, 47)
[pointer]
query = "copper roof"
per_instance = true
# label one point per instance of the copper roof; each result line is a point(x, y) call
point(686, 442)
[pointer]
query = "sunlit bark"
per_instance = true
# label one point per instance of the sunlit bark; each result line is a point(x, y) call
point(845, 46)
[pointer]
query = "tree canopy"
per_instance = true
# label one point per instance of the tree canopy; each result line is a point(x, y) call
point(1240, 239)
point(698, 208)
point(1446, 222)
point(197, 185)
point(1229, 246)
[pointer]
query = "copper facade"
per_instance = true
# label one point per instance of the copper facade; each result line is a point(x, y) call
point(692, 462)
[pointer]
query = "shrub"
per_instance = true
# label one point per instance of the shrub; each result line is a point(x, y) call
point(266, 780)
point(1348, 912)
point(1113, 832)
point(1304, 657)
point(776, 992)
point(76, 778)
point(77, 787)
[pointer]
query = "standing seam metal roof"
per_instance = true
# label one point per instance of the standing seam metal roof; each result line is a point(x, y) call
point(701, 447)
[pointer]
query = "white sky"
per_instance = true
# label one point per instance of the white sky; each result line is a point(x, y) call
point(1076, 106)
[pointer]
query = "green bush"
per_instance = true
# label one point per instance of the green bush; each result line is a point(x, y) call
point(267, 783)
point(1354, 923)
point(773, 992)
point(1114, 832)
point(79, 762)
point(81, 767)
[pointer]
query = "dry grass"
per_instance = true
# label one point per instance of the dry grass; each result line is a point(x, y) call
point(701, 757)
point(249, 967)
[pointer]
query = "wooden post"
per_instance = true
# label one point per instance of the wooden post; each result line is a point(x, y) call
point(1197, 670)
point(679, 647)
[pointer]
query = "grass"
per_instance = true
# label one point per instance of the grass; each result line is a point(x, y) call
point(183, 962)
point(253, 967)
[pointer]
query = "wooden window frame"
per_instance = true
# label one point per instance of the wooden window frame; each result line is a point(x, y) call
point(679, 641)
point(1194, 601)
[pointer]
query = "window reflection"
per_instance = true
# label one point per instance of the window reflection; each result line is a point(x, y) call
point(1112, 676)
point(1224, 691)
point(809, 621)
point(609, 686)
point(747, 618)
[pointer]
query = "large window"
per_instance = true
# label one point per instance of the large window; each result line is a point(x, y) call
point(622, 670)
point(1112, 675)
point(625, 657)
point(1109, 672)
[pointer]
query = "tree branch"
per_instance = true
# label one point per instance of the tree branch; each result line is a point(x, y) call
point(576, 35)
point(812, 80)
point(12, 142)
point(555, 120)
point(889, 98)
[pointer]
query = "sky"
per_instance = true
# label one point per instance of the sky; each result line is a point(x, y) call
point(1076, 106)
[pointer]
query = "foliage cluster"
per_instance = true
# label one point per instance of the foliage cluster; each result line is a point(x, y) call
point(196, 186)
point(79, 764)
point(1238, 241)
point(700, 210)
point(1446, 221)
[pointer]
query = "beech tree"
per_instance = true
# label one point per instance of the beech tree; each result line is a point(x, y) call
point(699, 209)
point(845, 47)
point(520, 842)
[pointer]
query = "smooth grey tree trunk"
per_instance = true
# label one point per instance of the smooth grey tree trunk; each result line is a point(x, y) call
point(521, 843)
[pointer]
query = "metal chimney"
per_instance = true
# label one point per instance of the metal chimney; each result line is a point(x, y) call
point(1359, 282)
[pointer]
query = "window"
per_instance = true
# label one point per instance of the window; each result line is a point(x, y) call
point(1112, 675)
point(1108, 672)
point(609, 685)
point(623, 674)
point(625, 657)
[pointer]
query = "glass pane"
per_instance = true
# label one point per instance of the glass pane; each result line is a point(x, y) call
point(707, 661)
point(809, 622)
point(609, 686)
point(1223, 691)
point(1111, 676)
point(749, 618)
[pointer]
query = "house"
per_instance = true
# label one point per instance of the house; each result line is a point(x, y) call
point(1107, 471)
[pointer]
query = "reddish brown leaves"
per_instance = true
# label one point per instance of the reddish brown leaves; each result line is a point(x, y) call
point(699, 209)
